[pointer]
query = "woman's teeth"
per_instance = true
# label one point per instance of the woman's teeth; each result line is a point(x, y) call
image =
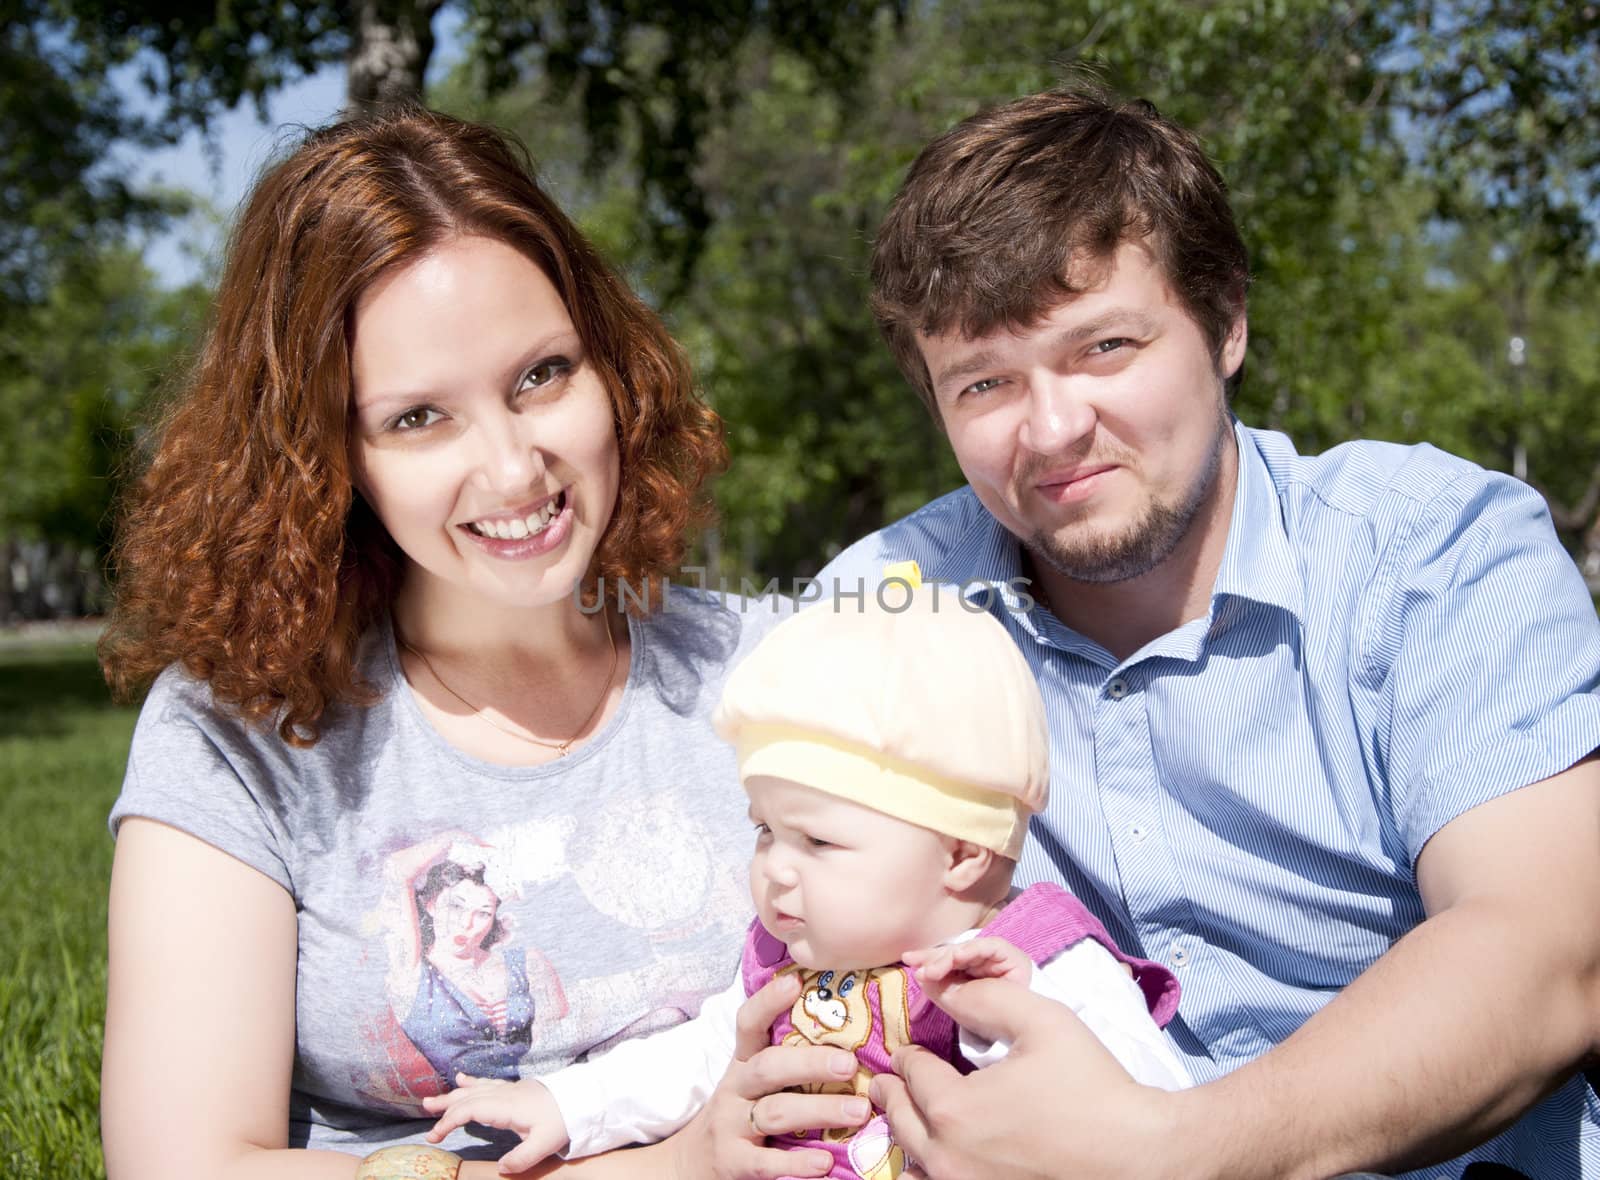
point(529, 526)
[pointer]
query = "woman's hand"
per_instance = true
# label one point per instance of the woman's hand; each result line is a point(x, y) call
point(756, 1098)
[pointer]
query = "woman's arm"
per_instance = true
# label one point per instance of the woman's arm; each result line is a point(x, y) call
point(199, 1017)
point(199, 1044)
point(200, 1022)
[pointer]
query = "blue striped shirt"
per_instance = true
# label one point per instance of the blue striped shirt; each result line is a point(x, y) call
point(1395, 636)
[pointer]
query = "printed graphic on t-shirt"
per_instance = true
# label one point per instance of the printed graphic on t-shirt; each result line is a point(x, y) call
point(464, 989)
point(472, 930)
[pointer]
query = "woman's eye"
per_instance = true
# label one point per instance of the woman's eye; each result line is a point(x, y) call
point(763, 830)
point(545, 372)
point(817, 842)
point(415, 418)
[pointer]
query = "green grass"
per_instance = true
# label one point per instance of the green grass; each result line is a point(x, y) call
point(63, 747)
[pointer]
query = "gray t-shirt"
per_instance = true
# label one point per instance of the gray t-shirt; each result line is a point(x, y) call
point(608, 887)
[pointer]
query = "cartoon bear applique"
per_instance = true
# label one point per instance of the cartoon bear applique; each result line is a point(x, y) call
point(850, 1010)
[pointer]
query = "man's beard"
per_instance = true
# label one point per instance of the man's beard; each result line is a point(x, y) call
point(1144, 544)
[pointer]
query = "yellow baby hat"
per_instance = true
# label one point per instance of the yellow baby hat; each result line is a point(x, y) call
point(908, 700)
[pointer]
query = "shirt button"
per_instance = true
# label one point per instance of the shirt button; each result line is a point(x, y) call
point(1117, 689)
point(1138, 832)
point(1180, 957)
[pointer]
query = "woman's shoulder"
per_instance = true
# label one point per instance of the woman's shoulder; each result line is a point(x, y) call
point(179, 700)
point(199, 764)
point(182, 703)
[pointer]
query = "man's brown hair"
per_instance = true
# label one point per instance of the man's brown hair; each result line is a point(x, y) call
point(998, 217)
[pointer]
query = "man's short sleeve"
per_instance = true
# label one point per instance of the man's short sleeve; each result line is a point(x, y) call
point(1484, 647)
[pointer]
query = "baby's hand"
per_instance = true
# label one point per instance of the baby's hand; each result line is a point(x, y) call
point(525, 1107)
point(977, 958)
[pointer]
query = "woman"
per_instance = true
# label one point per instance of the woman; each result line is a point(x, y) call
point(370, 571)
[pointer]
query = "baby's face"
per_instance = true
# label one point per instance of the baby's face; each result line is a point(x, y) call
point(844, 886)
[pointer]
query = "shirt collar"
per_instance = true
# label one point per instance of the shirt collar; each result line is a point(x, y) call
point(1258, 565)
point(994, 574)
point(997, 577)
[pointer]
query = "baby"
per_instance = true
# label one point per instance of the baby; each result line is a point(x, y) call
point(892, 758)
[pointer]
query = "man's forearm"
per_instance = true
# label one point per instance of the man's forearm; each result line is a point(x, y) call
point(1448, 1038)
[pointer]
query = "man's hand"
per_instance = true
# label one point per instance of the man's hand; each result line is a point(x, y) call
point(1058, 1105)
point(525, 1107)
point(976, 958)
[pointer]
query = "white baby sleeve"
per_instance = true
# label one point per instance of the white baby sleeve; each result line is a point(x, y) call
point(1087, 978)
point(645, 1089)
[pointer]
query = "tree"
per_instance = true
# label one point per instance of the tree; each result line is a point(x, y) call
point(58, 120)
point(1507, 93)
point(1384, 158)
point(98, 346)
point(660, 69)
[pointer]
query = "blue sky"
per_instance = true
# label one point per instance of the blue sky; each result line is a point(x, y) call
point(243, 145)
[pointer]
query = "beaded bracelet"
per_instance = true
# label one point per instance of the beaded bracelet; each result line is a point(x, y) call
point(409, 1161)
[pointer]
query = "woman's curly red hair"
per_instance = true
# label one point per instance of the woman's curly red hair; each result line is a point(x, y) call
point(243, 552)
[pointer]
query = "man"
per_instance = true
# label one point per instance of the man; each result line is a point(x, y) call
point(1322, 727)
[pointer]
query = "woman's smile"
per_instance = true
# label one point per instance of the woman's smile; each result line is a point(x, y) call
point(531, 534)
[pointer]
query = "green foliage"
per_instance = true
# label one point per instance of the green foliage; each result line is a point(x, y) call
point(62, 752)
point(653, 79)
point(660, 71)
point(202, 56)
point(58, 119)
point(1412, 178)
point(1508, 92)
point(86, 359)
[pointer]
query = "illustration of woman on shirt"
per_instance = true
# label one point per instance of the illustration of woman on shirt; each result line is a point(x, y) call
point(460, 991)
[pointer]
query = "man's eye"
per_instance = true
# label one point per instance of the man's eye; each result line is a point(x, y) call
point(545, 372)
point(978, 387)
point(415, 418)
point(1101, 347)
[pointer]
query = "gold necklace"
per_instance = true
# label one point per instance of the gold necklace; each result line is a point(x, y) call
point(562, 749)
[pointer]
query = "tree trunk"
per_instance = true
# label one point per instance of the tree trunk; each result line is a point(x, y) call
point(390, 45)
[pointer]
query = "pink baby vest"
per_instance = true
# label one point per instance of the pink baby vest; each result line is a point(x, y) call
point(874, 1012)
